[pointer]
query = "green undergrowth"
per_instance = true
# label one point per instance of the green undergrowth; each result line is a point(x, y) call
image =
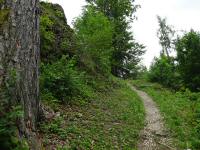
point(111, 120)
point(10, 114)
point(181, 111)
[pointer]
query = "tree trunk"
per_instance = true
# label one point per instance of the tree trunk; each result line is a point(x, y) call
point(19, 53)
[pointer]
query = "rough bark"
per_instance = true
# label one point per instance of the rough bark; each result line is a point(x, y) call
point(19, 52)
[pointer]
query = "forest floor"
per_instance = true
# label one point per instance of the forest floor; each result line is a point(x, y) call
point(154, 136)
point(112, 120)
point(115, 119)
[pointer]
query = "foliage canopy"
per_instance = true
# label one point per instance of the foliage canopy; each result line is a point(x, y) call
point(188, 57)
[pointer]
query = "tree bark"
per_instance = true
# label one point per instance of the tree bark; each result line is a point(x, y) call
point(19, 53)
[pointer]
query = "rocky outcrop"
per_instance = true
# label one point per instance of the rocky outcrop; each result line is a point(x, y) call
point(57, 38)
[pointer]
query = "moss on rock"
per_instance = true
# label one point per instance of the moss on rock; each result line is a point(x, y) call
point(57, 37)
point(4, 13)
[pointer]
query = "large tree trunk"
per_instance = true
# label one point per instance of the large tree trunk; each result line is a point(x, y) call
point(19, 53)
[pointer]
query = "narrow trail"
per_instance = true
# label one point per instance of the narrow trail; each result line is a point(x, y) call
point(154, 135)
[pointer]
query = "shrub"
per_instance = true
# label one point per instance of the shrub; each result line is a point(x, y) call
point(62, 80)
point(163, 71)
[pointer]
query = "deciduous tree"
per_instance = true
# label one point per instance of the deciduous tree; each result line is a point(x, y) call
point(188, 57)
point(165, 34)
point(121, 14)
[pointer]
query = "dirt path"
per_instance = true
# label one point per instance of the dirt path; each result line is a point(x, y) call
point(154, 135)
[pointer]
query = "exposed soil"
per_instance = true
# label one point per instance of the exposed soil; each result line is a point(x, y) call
point(154, 136)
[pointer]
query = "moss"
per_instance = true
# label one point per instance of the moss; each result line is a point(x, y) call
point(2, 1)
point(4, 13)
point(57, 37)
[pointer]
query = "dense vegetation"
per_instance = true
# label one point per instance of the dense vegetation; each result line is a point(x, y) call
point(84, 103)
point(73, 59)
point(94, 34)
point(60, 79)
point(188, 54)
point(126, 51)
point(180, 71)
point(85, 106)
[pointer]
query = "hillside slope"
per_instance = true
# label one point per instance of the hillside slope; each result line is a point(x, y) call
point(82, 109)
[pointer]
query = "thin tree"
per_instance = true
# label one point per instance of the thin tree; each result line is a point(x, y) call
point(165, 34)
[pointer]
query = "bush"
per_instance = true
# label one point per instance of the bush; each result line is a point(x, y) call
point(163, 71)
point(62, 81)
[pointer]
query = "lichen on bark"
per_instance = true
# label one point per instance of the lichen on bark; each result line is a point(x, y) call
point(4, 14)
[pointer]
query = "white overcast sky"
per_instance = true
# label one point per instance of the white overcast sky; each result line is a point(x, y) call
point(182, 14)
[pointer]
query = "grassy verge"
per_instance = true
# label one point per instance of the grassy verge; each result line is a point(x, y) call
point(181, 111)
point(111, 121)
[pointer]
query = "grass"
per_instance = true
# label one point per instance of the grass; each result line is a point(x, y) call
point(112, 120)
point(181, 111)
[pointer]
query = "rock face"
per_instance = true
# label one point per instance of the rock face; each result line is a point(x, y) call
point(57, 38)
point(19, 55)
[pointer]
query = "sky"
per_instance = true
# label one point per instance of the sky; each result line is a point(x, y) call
point(181, 14)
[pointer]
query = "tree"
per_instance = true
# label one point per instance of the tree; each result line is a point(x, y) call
point(165, 34)
point(19, 59)
point(114, 9)
point(132, 60)
point(188, 57)
point(163, 71)
point(120, 13)
point(94, 34)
